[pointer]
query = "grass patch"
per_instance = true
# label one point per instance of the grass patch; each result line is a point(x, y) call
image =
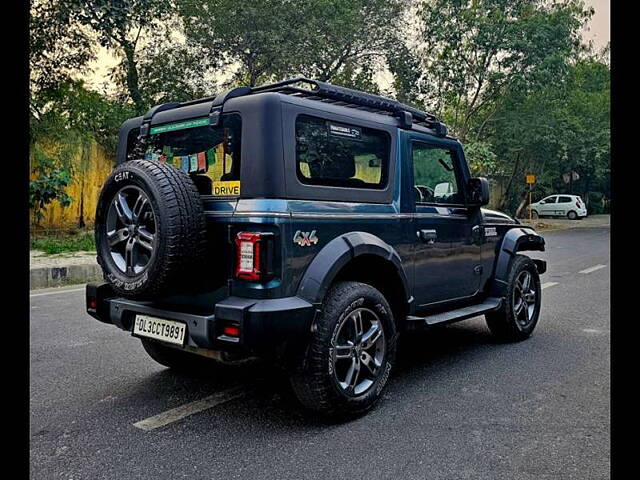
point(65, 242)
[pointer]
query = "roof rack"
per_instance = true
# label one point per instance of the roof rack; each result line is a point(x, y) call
point(321, 91)
point(317, 90)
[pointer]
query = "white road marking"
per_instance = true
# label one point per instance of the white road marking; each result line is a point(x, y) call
point(188, 409)
point(55, 293)
point(592, 269)
point(593, 330)
point(548, 284)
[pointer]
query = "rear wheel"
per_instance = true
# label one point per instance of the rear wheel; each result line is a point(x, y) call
point(518, 316)
point(351, 352)
point(572, 215)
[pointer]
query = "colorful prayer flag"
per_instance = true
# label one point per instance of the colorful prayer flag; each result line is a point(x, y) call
point(202, 162)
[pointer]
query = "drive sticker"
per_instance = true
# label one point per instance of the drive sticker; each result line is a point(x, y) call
point(226, 189)
point(170, 127)
point(344, 131)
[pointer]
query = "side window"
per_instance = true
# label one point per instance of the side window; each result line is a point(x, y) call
point(551, 199)
point(434, 175)
point(564, 199)
point(340, 155)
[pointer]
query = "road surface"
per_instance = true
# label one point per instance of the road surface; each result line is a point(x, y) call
point(458, 405)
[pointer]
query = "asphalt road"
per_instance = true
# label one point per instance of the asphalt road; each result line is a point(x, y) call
point(458, 406)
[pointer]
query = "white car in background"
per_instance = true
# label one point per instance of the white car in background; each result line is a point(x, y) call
point(570, 206)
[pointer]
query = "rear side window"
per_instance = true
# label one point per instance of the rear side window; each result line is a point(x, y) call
point(564, 199)
point(210, 155)
point(341, 155)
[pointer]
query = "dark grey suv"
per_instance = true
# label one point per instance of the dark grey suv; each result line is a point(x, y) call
point(307, 224)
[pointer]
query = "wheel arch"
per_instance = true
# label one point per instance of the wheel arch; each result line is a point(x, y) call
point(514, 241)
point(357, 256)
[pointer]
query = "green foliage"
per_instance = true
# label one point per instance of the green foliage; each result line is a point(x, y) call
point(475, 50)
point(57, 48)
point(69, 242)
point(49, 185)
point(480, 157)
point(264, 40)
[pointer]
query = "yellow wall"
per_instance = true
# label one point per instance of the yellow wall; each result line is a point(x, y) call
point(91, 169)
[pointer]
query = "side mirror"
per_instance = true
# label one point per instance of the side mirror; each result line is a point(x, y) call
point(478, 191)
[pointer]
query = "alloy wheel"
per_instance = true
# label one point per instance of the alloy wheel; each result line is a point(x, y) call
point(524, 298)
point(358, 351)
point(131, 230)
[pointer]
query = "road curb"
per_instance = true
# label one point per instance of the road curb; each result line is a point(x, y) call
point(57, 276)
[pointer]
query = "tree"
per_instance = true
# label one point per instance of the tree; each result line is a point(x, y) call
point(555, 129)
point(119, 25)
point(476, 50)
point(265, 40)
point(58, 50)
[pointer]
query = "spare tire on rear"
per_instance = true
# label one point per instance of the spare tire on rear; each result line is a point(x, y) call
point(150, 229)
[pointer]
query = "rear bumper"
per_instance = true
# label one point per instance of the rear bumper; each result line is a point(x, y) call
point(261, 322)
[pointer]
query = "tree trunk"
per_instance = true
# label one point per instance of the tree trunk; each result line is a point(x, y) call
point(507, 191)
point(522, 204)
point(132, 78)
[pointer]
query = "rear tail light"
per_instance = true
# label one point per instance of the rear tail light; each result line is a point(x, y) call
point(231, 330)
point(578, 204)
point(252, 262)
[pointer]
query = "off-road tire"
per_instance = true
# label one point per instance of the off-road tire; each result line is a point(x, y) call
point(503, 322)
point(572, 215)
point(180, 230)
point(315, 384)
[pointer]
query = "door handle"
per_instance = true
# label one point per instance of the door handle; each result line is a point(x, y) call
point(428, 236)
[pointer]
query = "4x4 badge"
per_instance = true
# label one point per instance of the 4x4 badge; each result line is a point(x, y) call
point(305, 239)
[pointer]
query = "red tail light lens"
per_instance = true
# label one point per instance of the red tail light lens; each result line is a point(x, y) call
point(231, 331)
point(577, 204)
point(249, 251)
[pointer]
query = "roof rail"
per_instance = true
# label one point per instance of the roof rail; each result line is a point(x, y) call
point(317, 90)
point(322, 91)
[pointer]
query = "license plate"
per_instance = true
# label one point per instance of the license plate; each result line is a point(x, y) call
point(159, 329)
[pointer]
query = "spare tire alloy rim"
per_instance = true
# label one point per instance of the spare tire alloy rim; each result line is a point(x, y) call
point(358, 351)
point(524, 298)
point(131, 230)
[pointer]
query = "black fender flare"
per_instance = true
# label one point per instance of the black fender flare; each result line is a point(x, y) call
point(339, 252)
point(515, 240)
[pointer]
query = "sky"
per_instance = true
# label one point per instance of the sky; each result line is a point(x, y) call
point(598, 30)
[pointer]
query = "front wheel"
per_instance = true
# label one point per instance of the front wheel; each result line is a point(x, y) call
point(518, 316)
point(351, 352)
point(534, 214)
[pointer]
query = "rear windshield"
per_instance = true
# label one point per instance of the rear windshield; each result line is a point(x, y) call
point(210, 155)
point(336, 154)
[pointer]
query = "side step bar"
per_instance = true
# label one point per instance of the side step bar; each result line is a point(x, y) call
point(490, 304)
